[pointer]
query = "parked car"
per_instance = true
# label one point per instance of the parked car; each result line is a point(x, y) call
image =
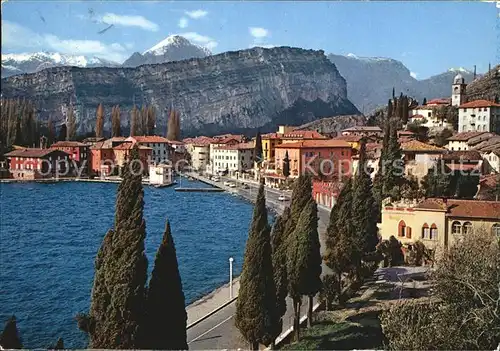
point(227, 183)
point(232, 185)
point(216, 179)
point(283, 198)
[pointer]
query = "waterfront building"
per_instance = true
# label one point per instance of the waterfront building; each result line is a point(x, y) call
point(102, 155)
point(325, 193)
point(285, 134)
point(480, 116)
point(160, 147)
point(234, 158)
point(122, 152)
point(31, 163)
point(437, 222)
point(363, 131)
point(199, 152)
point(78, 152)
point(330, 158)
point(219, 142)
point(419, 157)
point(160, 174)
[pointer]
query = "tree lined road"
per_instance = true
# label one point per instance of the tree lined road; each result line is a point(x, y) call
point(219, 331)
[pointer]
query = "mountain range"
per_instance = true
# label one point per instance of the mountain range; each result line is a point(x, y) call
point(370, 80)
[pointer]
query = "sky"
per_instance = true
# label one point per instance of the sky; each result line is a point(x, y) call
point(428, 37)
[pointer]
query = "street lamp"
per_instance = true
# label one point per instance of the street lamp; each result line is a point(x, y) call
point(230, 278)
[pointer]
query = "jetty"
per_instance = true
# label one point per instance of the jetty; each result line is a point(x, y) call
point(201, 190)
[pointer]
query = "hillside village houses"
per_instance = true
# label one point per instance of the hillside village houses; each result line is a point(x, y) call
point(479, 115)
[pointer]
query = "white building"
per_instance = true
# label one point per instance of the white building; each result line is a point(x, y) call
point(426, 115)
point(233, 158)
point(159, 145)
point(491, 161)
point(222, 142)
point(480, 116)
point(467, 140)
point(160, 174)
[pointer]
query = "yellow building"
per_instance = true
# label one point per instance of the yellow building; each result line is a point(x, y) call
point(438, 223)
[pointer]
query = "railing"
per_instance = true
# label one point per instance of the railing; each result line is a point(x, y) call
point(211, 313)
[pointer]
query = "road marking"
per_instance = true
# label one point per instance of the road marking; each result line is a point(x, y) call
point(209, 330)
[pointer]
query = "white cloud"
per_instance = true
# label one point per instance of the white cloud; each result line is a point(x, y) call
point(183, 22)
point(258, 32)
point(413, 74)
point(15, 36)
point(200, 39)
point(130, 21)
point(129, 45)
point(196, 14)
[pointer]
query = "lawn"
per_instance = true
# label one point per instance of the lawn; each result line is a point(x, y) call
point(360, 331)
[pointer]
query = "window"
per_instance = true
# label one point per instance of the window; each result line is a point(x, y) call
point(495, 229)
point(403, 230)
point(467, 228)
point(425, 231)
point(434, 232)
point(456, 228)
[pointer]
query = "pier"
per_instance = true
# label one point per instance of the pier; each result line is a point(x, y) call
point(202, 190)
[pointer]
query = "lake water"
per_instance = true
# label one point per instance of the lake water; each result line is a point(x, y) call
point(50, 234)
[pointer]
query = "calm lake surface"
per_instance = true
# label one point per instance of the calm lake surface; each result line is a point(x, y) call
point(50, 234)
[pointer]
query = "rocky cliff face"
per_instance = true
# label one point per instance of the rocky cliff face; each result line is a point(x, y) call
point(486, 87)
point(233, 91)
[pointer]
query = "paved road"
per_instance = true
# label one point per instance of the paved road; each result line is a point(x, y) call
point(219, 331)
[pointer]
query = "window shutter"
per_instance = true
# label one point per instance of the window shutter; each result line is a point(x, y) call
point(408, 232)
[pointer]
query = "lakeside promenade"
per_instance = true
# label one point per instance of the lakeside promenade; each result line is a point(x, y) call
point(218, 331)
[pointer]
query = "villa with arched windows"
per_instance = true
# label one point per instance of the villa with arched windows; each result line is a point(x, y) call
point(437, 222)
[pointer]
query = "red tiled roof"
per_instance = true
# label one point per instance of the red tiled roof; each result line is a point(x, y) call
point(199, 141)
point(463, 166)
point(349, 138)
point(149, 139)
point(463, 208)
point(474, 209)
point(479, 103)
point(470, 155)
point(363, 129)
point(315, 144)
point(272, 136)
point(174, 142)
point(303, 134)
point(443, 101)
point(415, 145)
point(239, 146)
point(32, 152)
point(238, 138)
point(405, 133)
point(128, 146)
point(417, 116)
point(68, 144)
point(464, 136)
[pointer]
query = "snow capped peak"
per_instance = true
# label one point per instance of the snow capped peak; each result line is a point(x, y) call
point(352, 55)
point(173, 41)
point(459, 69)
point(55, 58)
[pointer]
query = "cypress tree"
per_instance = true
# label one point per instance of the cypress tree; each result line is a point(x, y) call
point(286, 165)
point(99, 124)
point(364, 217)
point(10, 338)
point(118, 294)
point(436, 183)
point(304, 262)
point(394, 171)
point(279, 248)
point(63, 132)
point(258, 149)
point(166, 312)
point(116, 122)
point(51, 131)
point(133, 121)
point(256, 315)
point(174, 126)
point(151, 120)
point(424, 102)
point(71, 130)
